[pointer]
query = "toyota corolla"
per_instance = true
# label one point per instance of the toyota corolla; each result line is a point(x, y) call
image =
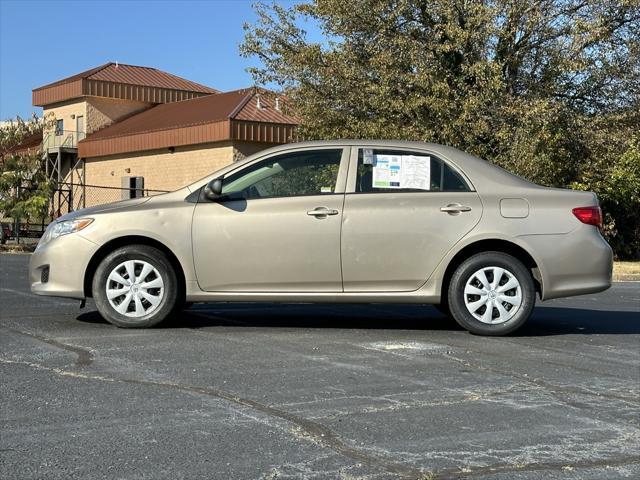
point(339, 222)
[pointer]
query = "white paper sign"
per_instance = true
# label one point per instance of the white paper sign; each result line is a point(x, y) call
point(402, 171)
point(416, 172)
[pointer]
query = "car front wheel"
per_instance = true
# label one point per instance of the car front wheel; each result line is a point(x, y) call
point(135, 287)
point(491, 293)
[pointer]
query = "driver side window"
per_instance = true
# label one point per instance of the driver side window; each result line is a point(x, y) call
point(313, 172)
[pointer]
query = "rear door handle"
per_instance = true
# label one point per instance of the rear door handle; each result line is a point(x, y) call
point(322, 212)
point(454, 208)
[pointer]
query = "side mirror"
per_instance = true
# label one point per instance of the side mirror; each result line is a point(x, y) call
point(213, 189)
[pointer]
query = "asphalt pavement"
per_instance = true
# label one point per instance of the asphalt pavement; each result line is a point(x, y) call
point(262, 391)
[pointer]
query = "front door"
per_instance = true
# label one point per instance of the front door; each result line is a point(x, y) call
point(276, 227)
point(80, 127)
point(395, 231)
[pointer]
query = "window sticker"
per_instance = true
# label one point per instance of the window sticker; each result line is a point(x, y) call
point(386, 171)
point(367, 156)
point(402, 171)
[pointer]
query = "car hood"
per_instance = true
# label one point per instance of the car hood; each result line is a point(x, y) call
point(84, 212)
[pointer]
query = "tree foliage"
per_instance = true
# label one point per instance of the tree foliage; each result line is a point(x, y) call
point(549, 89)
point(24, 187)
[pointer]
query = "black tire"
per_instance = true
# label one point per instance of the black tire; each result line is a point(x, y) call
point(156, 258)
point(464, 273)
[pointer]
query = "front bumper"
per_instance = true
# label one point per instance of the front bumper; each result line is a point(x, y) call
point(576, 263)
point(57, 269)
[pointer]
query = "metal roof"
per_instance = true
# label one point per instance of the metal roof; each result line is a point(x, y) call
point(233, 115)
point(121, 81)
point(135, 75)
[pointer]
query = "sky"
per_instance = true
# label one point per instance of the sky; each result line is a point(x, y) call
point(44, 41)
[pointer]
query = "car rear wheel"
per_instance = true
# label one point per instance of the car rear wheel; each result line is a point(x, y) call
point(135, 287)
point(491, 293)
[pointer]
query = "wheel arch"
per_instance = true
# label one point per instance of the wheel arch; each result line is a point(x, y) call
point(493, 245)
point(115, 243)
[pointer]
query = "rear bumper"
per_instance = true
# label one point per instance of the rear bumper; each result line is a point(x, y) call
point(63, 262)
point(575, 263)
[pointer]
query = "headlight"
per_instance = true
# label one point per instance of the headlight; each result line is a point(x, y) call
point(58, 229)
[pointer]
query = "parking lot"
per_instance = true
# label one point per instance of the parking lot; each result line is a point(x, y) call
point(301, 391)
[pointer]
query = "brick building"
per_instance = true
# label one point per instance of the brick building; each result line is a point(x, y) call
point(121, 130)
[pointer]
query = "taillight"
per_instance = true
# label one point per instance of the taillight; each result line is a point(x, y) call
point(589, 215)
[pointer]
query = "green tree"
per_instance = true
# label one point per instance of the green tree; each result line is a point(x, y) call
point(522, 83)
point(24, 187)
point(616, 178)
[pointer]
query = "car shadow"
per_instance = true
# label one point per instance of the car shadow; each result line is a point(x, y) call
point(544, 322)
point(575, 321)
point(345, 316)
point(269, 315)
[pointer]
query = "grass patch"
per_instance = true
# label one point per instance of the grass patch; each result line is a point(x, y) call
point(626, 271)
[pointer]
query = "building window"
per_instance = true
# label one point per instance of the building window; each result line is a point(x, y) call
point(132, 187)
point(59, 127)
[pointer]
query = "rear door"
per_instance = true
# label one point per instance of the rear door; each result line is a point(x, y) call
point(403, 211)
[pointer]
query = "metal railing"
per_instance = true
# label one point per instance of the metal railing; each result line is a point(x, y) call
point(61, 139)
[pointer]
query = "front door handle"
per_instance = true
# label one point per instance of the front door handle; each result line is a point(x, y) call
point(322, 212)
point(455, 208)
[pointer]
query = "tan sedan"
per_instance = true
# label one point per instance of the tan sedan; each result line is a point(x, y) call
point(340, 221)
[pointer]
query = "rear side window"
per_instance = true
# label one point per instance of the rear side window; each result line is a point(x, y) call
point(396, 171)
